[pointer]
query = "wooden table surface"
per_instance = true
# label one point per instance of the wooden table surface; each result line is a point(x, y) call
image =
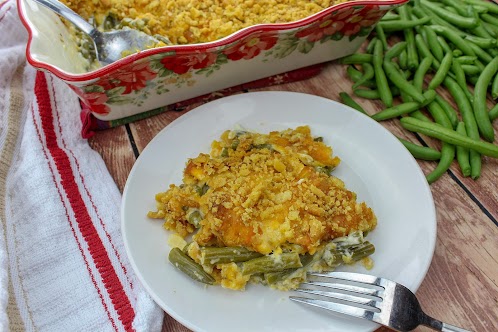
point(461, 286)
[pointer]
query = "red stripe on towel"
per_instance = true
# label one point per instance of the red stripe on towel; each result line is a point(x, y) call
point(96, 248)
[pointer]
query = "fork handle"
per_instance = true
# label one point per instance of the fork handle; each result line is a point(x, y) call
point(440, 326)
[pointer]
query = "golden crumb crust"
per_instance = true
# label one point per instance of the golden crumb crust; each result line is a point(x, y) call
point(265, 192)
point(190, 21)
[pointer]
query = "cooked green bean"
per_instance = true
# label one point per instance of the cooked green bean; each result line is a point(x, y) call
point(222, 255)
point(453, 37)
point(194, 217)
point(450, 136)
point(357, 58)
point(452, 18)
point(271, 263)
point(306, 260)
point(441, 73)
point(463, 153)
point(399, 25)
point(421, 152)
point(398, 80)
point(188, 266)
point(347, 100)
point(451, 113)
point(480, 108)
point(355, 253)
point(380, 76)
point(368, 74)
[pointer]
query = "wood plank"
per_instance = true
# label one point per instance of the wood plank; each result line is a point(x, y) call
point(116, 151)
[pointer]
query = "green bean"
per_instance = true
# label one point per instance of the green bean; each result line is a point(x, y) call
point(493, 113)
point(466, 59)
point(424, 51)
point(435, 46)
point(356, 58)
point(420, 116)
point(188, 266)
point(421, 152)
point(398, 80)
point(271, 263)
point(453, 37)
point(390, 16)
point(447, 156)
point(194, 217)
point(399, 25)
point(459, 73)
point(223, 255)
point(355, 75)
point(381, 35)
point(412, 56)
point(480, 108)
point(403, 59)
point(494, 87)
point(380, 75)
point(481, 54)
point(423, 68)
point(371, 45)
point(394, 51)
point(450, 136)
point(490, 6)
point(422, 11)
point(444, 44)
point(355, 253)
point(306, 260)
point(452, 18)
point(442, 72)
point(403, 108)
point(489, 19)
point(471, 70)
point(463, 153)
point(481, 42)
point(451, 113)
point(491, 29)
point(368, 74)
point(470, 122)
point(347, 100)
point(457, 5)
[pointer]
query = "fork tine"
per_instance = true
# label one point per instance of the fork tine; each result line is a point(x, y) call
point(349, 276)
point(345, 287)
point(341, 296)
point(337, 307)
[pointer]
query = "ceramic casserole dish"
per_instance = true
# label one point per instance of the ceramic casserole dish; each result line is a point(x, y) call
point(162, 76)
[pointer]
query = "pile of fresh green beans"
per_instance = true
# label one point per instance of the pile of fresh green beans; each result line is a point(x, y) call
point(420, 49)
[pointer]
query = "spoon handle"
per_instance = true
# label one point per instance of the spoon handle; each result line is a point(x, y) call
point(68, 14)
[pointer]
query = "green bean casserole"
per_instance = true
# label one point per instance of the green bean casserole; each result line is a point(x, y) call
point(264, 208)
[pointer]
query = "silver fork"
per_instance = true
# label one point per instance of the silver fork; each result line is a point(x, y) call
point(373, 298)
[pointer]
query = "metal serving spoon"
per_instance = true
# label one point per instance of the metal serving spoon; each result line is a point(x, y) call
point(108, 45)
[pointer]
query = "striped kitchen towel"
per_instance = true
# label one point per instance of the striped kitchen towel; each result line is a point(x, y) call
point(63, 266)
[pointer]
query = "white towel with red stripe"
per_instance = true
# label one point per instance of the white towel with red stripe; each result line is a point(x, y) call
point(63, 266)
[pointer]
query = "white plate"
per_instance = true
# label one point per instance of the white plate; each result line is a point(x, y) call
point(374, 164)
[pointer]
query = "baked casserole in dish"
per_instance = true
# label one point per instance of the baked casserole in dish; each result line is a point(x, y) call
point(204, 46)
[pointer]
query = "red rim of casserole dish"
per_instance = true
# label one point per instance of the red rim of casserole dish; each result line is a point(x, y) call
point(191, 47)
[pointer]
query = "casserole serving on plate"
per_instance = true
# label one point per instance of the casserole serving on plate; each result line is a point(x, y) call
point(160, 76)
